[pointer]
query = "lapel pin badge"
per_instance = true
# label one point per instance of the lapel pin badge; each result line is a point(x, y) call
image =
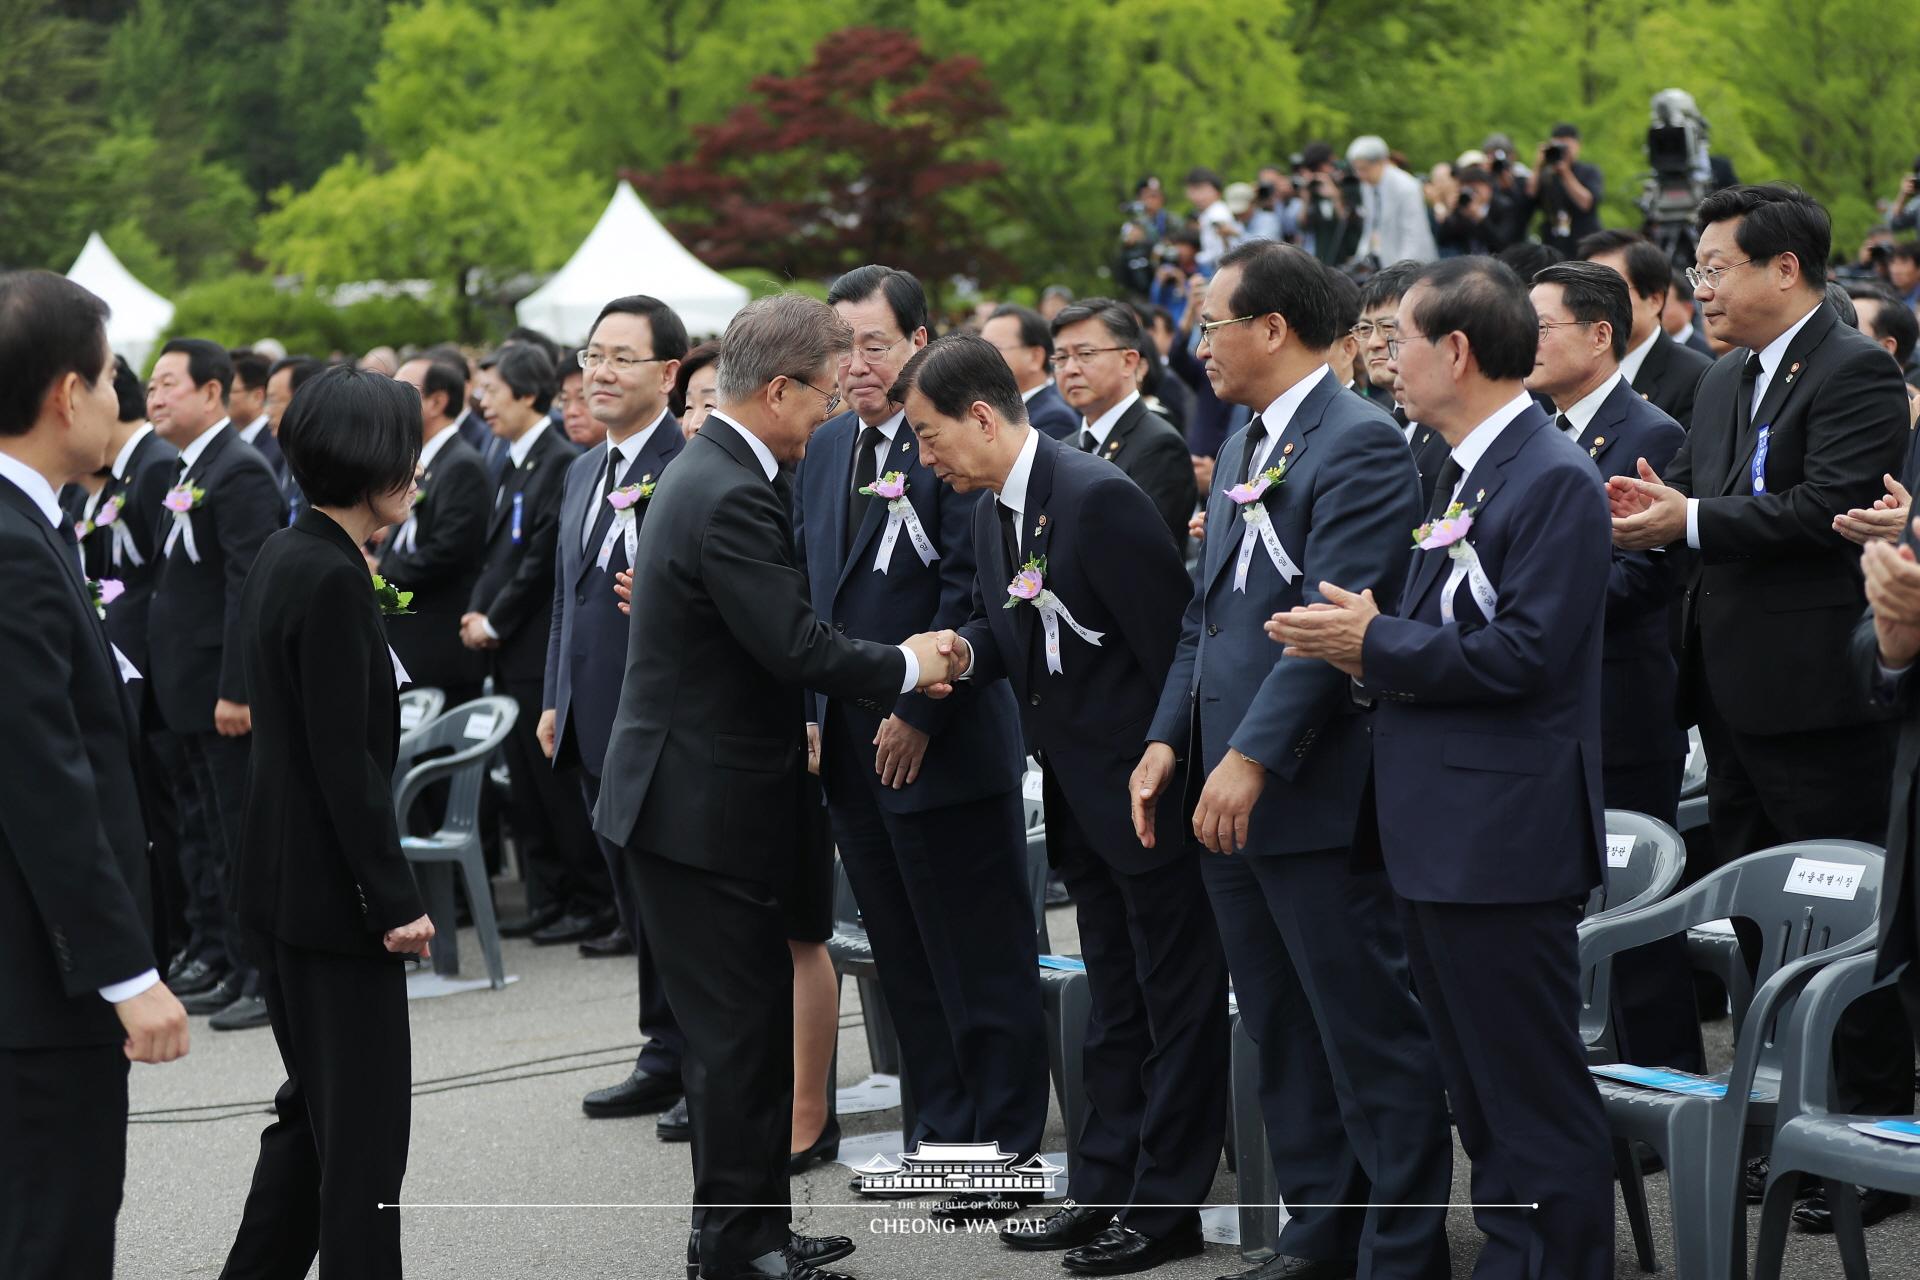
point(1480, 496)
point(1792, 371)
point(1286, 448)
point(1598, 441)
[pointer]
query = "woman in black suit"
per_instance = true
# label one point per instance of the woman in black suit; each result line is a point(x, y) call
point(321, 883)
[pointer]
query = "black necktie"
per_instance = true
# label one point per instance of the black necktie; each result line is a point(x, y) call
point(601, 518)
point(865, 471)
point(1450, 475)
point(1085, 442)
point(1256, 433)
point(1009, 534)
point(1566, 426)
point(612, 481)
point(1749, 379)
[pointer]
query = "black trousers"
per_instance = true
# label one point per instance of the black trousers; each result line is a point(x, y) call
point(665, 1044)
point(722, 946)
point(1155, 1062)
point(218, 767)
point(63, 1160)
point(943, 896)
point(339, 1145)
point(558, 853)
point(1500, 988)
point(1655, 1017)
point(1770, 789)
point(1349, 1087)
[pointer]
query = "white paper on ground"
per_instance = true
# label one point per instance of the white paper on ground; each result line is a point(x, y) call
point(875, 1093)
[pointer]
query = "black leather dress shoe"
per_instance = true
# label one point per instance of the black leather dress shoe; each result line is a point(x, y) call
point(981, 1206)
point(242, 1015)
point(191, 977)
point(608, 945)
point(674, 1124)
point(569, 928)
point(1813, 1214)
point(528, 925)
point(216, 997)
point(641, 1093)
point(773, 1266)
point(825, 1147)
point(1122, 1250)
point(1753, 1181)
point(1067, 1227)
point(1282, 1267)
point(802, 1251)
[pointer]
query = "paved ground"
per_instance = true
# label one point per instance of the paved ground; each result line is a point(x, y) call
point(497, 1121)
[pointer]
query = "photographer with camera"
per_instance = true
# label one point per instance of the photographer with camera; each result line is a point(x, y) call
point(1271, 217)
point(1566, 191)
point(1484, 219)
point(1141, 236)
point(1905, 214)
point(1219, 229)
point(1324, 210)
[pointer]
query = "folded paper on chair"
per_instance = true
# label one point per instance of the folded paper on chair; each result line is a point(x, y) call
point(1665, 1081)
point(1892, 1130)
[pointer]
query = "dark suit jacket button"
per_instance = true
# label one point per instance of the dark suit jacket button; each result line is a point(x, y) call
point(841, 627)
point(1213, 629)
point(1034, 699)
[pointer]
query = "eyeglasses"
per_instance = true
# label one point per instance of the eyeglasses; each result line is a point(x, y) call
point(1061, 359)
point(1211, 327)
point(870, 353)
point(1367, 328)
point(591, 360)
point(831, 397)
point(1398, 340)
point(1710, 277)
point(1548, 326)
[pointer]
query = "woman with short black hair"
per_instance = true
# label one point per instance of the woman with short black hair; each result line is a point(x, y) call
point(321, 884)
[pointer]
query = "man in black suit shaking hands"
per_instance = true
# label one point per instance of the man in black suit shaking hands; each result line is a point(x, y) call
point(79, 994)
point(1799, 421)
point(702, 782)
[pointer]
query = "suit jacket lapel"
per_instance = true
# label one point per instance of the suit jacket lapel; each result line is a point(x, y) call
point(69, 558)
point(1289, 448)
point(1117, 437)
point(573, 514)
point(1780, 387)
point(1481, 484)
point(1035, 533)
point(1602, 431)
point(1654, 367)
point(899, 458)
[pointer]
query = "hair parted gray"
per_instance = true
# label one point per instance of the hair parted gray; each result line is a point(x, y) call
point(788, 334)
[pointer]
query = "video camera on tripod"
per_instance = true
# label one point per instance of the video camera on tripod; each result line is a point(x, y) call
point(1681, 177)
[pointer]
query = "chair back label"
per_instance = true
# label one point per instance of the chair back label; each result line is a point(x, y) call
point(480, 725)
point(1814, 878)
point(1619, 850)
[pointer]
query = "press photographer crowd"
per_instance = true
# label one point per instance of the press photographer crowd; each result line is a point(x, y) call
point(1341, 583)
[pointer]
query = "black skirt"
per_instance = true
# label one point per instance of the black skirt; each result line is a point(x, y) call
point(807, 899)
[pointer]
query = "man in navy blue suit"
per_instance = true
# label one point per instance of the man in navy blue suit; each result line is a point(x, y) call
point(632, 354)
point(1320, 486)
point(1486, 763)
point(924, 802)
point(1087, 679)
point(1025, 341)
point(1585, 318)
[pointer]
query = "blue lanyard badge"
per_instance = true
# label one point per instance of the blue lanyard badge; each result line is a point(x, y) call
point(519, 500)
point(1760, 460)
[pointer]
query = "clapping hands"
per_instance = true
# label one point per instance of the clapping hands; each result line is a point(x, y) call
point(1883, 521)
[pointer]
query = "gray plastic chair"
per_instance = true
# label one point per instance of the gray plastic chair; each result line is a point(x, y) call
point(1810, 1139)
point(471, 733)
point(1693, 774)
point(1651, 867)
point(1715, 949)
point(1703, 1139)
point(419, 705)
point(1257, 1187)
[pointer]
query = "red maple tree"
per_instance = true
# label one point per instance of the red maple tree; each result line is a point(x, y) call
point(874, 153)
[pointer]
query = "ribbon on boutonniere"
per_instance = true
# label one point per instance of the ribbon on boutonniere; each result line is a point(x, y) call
point(900, 515)
point(181, 500)
point(625, 502)
point(1250, 497)
point(1030, 586)
point(108, 517)
point(1450, 532)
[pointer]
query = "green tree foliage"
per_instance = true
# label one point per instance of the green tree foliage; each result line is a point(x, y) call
point(49, 66)
point(237, 310)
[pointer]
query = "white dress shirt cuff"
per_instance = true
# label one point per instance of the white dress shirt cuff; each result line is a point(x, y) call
point(913, 670)
point(120, 992)
point(488, 628)
point(1693, 523)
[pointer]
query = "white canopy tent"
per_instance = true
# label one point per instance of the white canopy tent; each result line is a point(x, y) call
point(139, 316)
point(630, 252)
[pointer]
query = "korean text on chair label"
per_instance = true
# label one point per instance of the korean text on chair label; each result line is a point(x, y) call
point(1619, 850)
point(480, 727)
point(1819, 879)
point(1030, 786)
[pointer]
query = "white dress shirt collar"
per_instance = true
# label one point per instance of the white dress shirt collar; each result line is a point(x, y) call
point(1580, 412)
point(754, 442)
point(1774, 352)
point(251, 432)
point(1280, 413)
point(1026, 397)
point(1102, 426)
point(1470, 450)
point(630, 448)
point(431, 449)
point(34, 485)
point(191, 454)
point(1686, 332)
point(125, 457)
point(519, 449)
point(1630, 363)
point(1013, 491)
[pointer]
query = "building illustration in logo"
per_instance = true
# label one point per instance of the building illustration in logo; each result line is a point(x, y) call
point(958, 1166)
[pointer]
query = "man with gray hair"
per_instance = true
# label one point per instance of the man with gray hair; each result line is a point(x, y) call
point(1393, 209)
point(703, 768)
